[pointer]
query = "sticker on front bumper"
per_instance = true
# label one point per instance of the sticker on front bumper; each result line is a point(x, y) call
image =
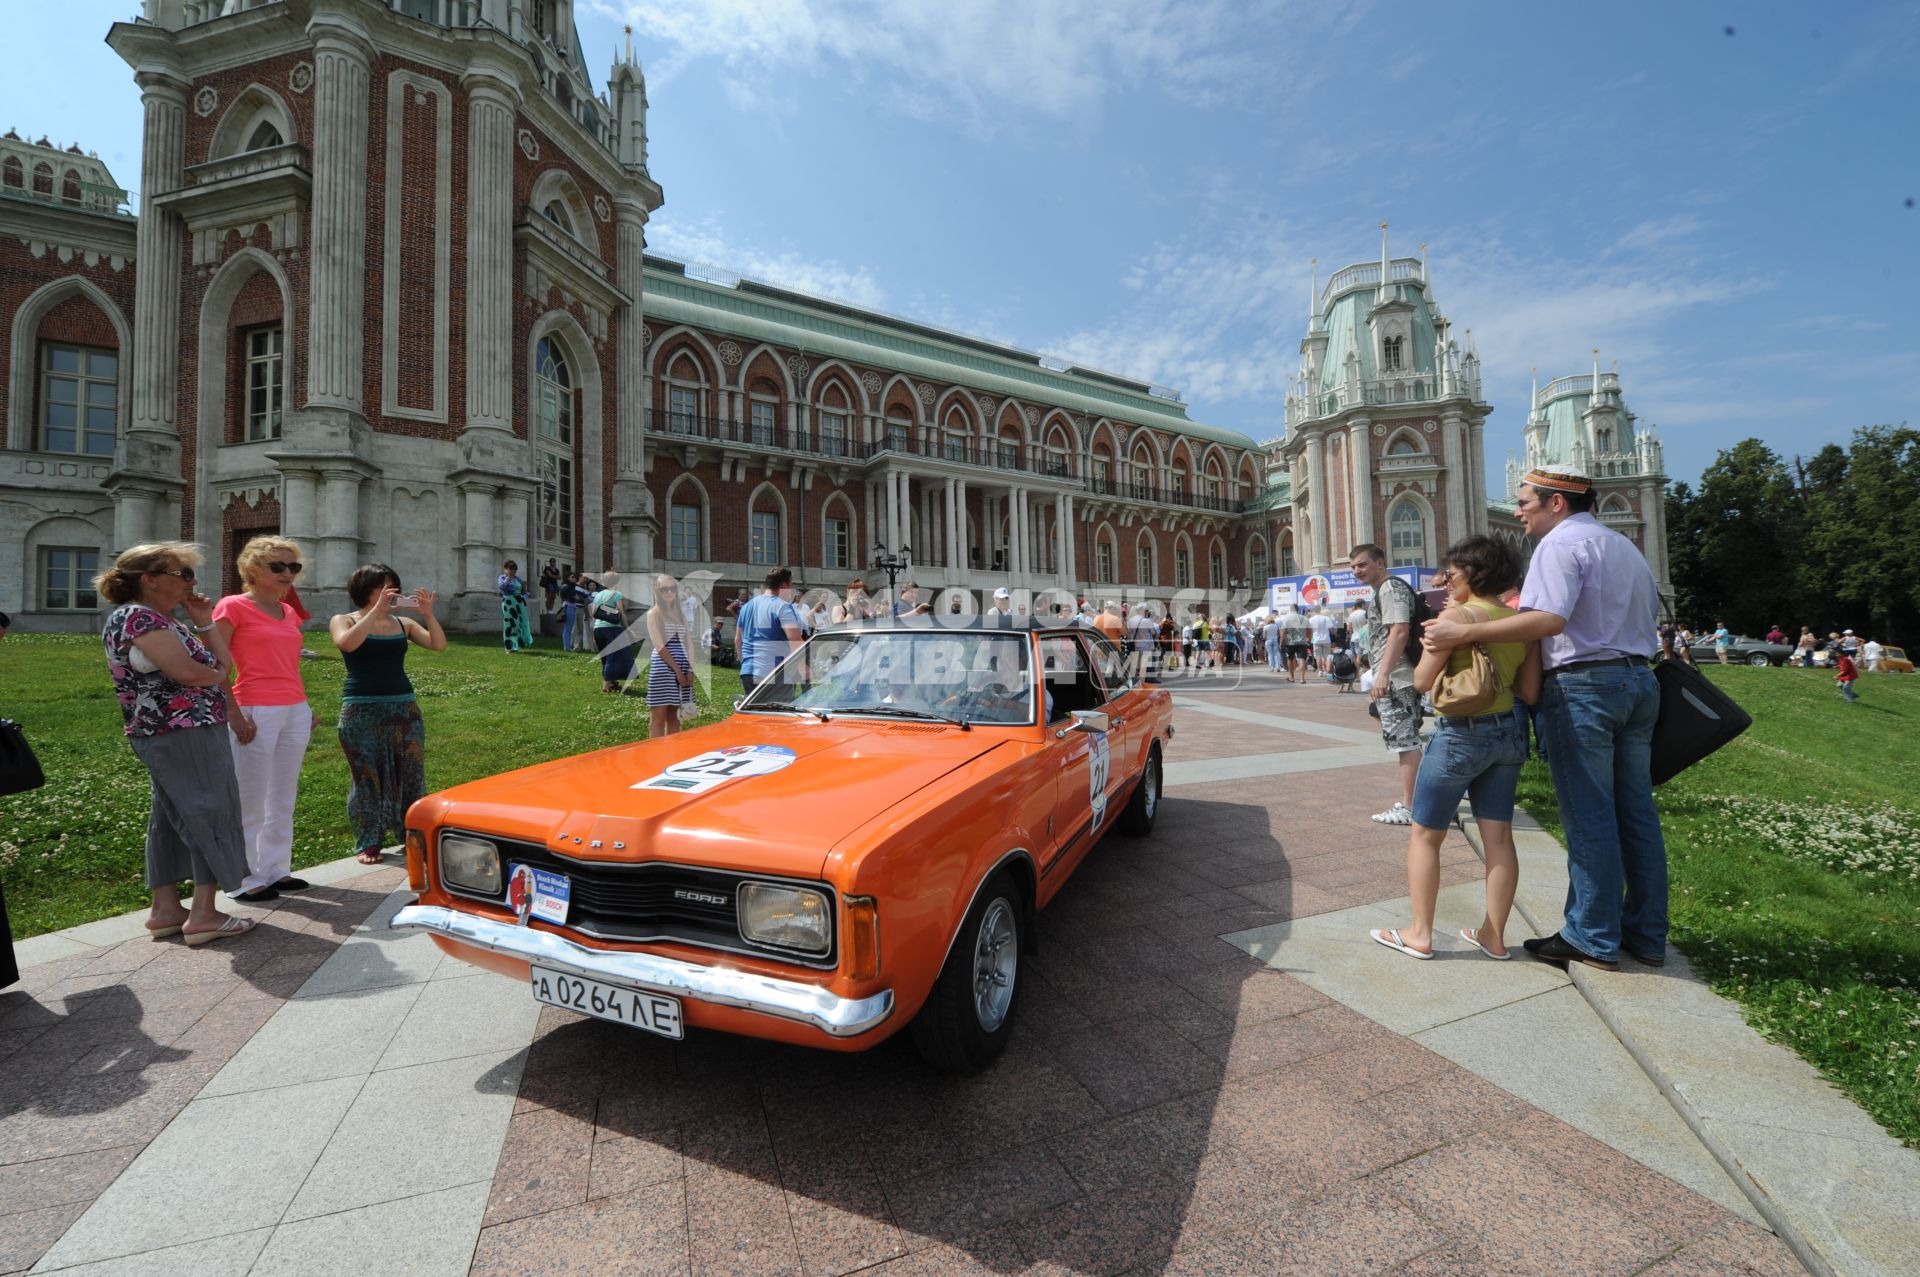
point(538, 893)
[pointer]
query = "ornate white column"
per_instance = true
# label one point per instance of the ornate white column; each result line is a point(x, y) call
point(1477, 469)
point(336, 357)
point(1360, 466)
point(1452, 432)
point(146, 471)
point(156, 288)
point(951, 539)
point(1319, 505)
point(634, 525)
point(1063, 516)
point(490, 114)
point(479, 541)
point(339, 537)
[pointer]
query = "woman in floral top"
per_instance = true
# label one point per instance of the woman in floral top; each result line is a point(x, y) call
point(170, 683)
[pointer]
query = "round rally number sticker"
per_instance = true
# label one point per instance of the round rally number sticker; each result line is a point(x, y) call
point(718, 766)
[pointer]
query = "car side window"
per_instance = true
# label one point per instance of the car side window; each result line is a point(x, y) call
point(1067, 675)
point(1116, 672)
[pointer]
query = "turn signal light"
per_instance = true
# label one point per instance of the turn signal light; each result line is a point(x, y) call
point(863, 937)
point(416, 860)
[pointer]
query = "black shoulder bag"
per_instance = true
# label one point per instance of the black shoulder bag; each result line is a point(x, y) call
point(19, 769)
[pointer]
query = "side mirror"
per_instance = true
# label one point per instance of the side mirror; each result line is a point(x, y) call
point(1090, 720)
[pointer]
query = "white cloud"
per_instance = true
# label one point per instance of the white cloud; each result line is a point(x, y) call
point(704, 245)
point(981, 63)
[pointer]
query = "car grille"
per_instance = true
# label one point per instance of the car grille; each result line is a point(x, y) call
point(652, 901)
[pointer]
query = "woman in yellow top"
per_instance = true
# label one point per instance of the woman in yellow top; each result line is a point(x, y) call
point(1478, 756)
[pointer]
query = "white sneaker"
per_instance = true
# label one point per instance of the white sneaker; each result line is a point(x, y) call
point(1398, 814)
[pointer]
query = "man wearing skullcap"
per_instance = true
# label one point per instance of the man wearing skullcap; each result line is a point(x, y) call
point(1590, 599)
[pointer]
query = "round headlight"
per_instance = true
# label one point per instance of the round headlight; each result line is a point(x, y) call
point(472, 864)
point(788, 917)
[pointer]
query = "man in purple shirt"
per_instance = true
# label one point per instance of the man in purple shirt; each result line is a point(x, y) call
point(1590, 599)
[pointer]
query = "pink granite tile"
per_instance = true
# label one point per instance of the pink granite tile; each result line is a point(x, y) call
point(27, 1235)
point(988, 1254)
point(1126, 1229)
point(544, 1164)
point(737, 1223)
point(839, 1214)
point(626, 1162)
point(1250, 993)
point(1444, 1107)
point(1522, 1222)
point(1272, 1044)
point(641, 1232)
point(973, 1197)
point(1734, 1249)
point(56, 1181)
point(1678, 1213)
point(1365, 1227)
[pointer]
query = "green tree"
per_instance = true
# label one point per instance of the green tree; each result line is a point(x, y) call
point(1683, 554)
point(1746, 524)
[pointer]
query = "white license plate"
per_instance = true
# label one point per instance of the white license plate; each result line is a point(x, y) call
point(637, 1008)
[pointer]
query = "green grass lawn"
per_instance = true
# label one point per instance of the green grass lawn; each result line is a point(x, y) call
point(1795, 858)
point(73, 851)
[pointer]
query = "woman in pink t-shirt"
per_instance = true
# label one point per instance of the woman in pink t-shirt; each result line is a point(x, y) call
point(267, 709)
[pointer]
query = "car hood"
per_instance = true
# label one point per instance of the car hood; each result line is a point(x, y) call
point(841, 775)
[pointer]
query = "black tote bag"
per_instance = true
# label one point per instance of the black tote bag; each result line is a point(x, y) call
point(1696, 718)
point(19, 769)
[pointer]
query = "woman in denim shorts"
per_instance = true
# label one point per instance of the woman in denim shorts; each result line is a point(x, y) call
point(1478, 757)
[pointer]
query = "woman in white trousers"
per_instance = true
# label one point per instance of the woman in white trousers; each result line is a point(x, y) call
point(267, 710)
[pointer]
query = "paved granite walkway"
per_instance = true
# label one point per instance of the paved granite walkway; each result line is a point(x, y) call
point(330, 1096)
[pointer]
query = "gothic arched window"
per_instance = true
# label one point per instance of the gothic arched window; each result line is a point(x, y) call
point(1407, 535)
point(553, 445)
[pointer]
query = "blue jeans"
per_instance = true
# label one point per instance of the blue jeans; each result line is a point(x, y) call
point(1478, 757)
point(1599, 733)
point(566, 626)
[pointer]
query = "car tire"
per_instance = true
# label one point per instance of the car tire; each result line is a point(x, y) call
point(1137, 819)
point(1759, 658)
point(968, 1017)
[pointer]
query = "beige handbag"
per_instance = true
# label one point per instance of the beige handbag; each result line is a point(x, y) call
point(1473, 690)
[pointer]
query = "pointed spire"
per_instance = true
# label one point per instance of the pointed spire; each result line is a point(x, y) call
point(629, 31)
point(1534, 403)
point(1595, 397)
point(1313, 299)
point(1423, 263)
point(1386, 277)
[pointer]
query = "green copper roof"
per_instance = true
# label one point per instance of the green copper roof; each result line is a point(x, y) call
point(757, 313)
point(1346, 325)
point(1564, 425)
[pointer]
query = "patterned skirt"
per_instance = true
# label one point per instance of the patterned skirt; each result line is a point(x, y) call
point(516, 631)
point(663, 686)
point(386, 748)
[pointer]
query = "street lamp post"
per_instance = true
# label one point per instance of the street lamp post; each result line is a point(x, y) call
point(893, 564)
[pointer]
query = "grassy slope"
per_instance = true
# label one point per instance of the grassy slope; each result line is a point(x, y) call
point(72, 851)
point(1826, 961)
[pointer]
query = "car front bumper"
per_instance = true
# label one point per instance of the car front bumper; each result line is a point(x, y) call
point(806, 1004)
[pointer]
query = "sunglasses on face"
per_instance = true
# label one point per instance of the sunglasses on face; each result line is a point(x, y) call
point(185, 574)
point(292, 569)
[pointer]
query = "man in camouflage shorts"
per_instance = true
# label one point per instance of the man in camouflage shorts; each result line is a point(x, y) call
point(1396, 703)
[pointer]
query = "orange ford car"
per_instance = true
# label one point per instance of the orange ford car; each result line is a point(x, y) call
point(862, 846)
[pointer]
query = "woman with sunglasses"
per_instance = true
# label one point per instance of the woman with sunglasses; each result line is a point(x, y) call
point(267, 709)
point(669, 670)
point(169, 679)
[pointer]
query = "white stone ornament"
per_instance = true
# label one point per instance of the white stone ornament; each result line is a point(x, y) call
point(602, 209)
point(730, 353)
point(871, 380)
point(206, 100)
point(300, 78)
point(529, 147)
point(798, 366)
point(646, 336)
point(926, 395)
point(1033, 416)
point(1429, 426)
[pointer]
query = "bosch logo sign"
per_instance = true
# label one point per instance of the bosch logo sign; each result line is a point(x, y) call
point(698, 897)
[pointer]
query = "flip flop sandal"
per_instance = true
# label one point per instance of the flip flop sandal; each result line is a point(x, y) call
point(161, 933)
point(231, 927)
point(371, 856)
point(1391, 939)
point(1472, 936)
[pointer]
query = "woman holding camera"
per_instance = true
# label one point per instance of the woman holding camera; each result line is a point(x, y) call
point(381, 730)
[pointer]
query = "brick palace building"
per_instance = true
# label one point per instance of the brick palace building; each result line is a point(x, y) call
point(388, 294)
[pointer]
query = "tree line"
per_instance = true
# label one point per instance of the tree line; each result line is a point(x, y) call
point(1826, 540)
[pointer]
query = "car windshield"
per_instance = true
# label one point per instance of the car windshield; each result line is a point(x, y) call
point(967, 678)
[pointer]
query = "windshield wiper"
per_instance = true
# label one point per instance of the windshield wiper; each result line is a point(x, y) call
point(904, 711)
point(789, 705)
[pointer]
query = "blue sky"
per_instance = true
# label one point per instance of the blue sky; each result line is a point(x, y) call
point(1140, 184)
